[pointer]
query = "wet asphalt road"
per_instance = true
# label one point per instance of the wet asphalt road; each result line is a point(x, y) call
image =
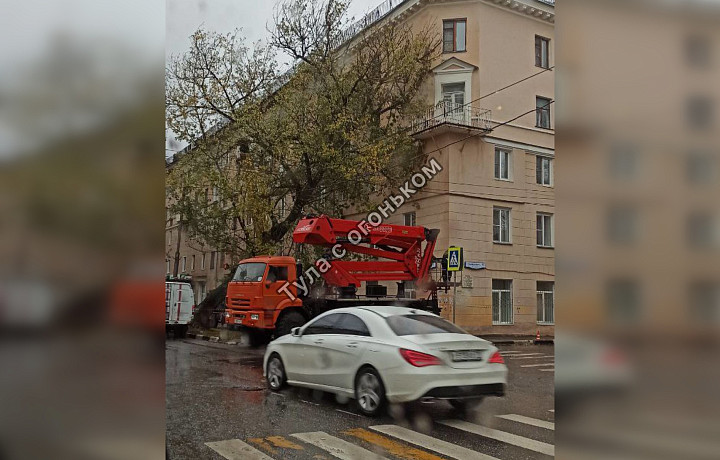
point(216, 392)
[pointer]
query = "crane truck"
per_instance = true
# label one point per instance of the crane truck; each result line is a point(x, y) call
point(263, 296)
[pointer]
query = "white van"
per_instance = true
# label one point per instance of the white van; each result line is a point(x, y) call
point(179, 307)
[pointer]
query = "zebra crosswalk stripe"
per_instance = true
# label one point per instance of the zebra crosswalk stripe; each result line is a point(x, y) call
point(430, 443)
point(530, 357)
point(524, 355)
point(509, 438)
point(235, 449)
point(528, 421)
point(337, 447)
point(537, 365)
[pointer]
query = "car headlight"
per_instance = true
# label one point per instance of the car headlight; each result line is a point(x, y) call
point(227, 315)
point(254, 317)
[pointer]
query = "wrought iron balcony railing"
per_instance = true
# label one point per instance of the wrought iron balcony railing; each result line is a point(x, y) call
point(453, 114)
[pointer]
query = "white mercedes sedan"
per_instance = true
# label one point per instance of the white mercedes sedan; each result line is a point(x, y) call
point(383, 354)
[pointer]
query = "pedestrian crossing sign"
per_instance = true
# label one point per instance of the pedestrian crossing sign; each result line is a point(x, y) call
point(455, 259)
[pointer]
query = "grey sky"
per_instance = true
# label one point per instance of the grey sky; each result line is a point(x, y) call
point(183, 17)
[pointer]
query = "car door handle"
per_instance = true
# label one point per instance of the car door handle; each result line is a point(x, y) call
point(352, 345)
point(319, 340)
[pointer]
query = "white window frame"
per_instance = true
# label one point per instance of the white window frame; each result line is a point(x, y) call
point(184, 264)
point(497, 172)
point(542, 159)
point(192, 262)
point(508, 231)
point(202, 262)
point(453, 71)
point(541, 297)
point(500, 294)
point(545, 228)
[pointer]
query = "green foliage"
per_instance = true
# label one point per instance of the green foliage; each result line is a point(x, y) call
point(330, 136)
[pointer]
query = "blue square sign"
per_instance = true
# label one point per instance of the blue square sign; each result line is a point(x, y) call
point(455, 259)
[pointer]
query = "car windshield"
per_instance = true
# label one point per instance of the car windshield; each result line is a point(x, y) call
point(252, 271)
point(421, 324)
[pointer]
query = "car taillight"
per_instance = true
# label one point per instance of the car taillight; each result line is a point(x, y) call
point(193, 310)
point(418, 359)
point(496, 358)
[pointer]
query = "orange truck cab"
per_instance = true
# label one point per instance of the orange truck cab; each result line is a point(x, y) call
point(254, 299)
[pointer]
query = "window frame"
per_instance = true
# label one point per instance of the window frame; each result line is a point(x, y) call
point(539, 39)
point(499, 292)
point(509, 226)
point(184, 265)
point(212, 260)
point(508, 153)
point(541, 295)
point(454, 22)
point(202, 262)
point(539, 159)
point(539, 110)
point(544, 229)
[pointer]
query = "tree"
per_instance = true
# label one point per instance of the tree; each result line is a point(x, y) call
point(329, 135)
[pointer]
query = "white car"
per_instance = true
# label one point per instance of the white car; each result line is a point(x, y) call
point(382, 354)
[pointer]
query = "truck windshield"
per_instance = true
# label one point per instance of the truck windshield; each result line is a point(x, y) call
point(421, 324)
point(252, 271)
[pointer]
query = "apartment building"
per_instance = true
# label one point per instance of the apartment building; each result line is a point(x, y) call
point(639, 195)
point(490, 123)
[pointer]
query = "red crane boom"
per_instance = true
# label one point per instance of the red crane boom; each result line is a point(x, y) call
point(401, 244)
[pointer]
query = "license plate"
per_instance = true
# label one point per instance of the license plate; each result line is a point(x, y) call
point(467, 355)
point(238, 321)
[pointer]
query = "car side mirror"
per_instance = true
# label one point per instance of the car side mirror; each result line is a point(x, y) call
point(295, 332)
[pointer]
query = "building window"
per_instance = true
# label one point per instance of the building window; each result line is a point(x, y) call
point(192, 262)
point(702, 231)
point(202, 262)
point(184, 264)
point(502, 164)
point(623, 301)
point(167, 266)
point(700, 167)
point(409, 218)
point(453, 35)
point(542, 52)
point(543, 171)
point(202, 292)
point(705, 302)
point(542, 112)
point(698, 51)
point(502, 312)
point(453, 94)
point(544, 230)
point(212, 260)
point(623, 161)
point(545, 302)
point(622, 225)
point(501, 225)
point(700, 112)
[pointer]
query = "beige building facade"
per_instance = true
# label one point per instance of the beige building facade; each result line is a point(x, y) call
point(490, 124)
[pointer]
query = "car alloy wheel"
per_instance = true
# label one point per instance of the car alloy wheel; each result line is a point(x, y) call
point(370, 392)
point(275, 373)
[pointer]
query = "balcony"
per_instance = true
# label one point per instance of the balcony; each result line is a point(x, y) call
point(453, 116)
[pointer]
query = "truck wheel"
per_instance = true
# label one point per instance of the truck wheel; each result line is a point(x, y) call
point(287, 321)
